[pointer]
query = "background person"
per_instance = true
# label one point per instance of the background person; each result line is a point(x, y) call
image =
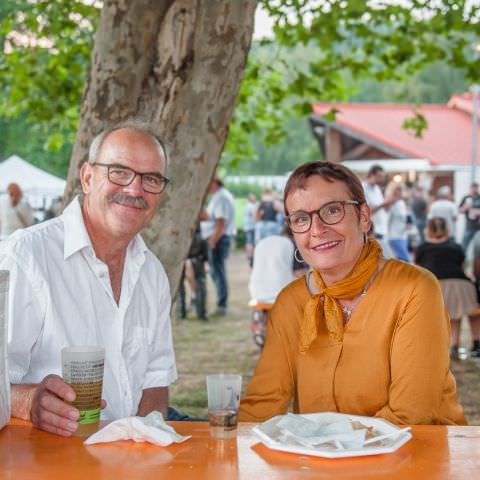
point(445, 259)
point(218, 226)
point(267, 216)
point(15, 211)
point(87, 278)
point(195, 274)
point(397, 221)
point(361, 335)
point(475, 319)
point(419, 207)
point(249, 226)
point(373, 185)
point(443, 207)
point(470, 206)
point(273, 267)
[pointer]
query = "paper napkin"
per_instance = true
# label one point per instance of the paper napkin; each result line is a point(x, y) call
point(311, 434)
point(151, 428)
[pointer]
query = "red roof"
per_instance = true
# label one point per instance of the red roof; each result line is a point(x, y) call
point(446, 140)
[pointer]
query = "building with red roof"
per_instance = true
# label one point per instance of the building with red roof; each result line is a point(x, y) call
point(367, 133)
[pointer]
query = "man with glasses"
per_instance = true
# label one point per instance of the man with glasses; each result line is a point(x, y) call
point(87, 278)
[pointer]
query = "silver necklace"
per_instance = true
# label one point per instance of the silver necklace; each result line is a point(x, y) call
point(347, 312)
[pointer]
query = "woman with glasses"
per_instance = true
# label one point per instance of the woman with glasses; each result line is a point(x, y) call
point(358, 334)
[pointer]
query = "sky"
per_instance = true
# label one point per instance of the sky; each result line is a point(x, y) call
point(263, 24)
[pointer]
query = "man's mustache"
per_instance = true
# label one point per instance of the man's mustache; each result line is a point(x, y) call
point(123, 199)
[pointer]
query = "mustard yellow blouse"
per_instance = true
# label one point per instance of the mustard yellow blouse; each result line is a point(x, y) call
point(393, 361)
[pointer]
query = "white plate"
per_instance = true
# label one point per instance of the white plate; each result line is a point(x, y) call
point(270, 435)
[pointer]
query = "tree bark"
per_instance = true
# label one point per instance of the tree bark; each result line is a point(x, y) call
point(177, 65)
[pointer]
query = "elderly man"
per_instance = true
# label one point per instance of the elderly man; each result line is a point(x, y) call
point(15, 212)
point(87, 278)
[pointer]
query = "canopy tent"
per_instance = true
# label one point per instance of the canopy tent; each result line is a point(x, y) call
point(38, 186)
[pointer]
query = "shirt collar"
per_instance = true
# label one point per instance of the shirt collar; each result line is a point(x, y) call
point(76, 235)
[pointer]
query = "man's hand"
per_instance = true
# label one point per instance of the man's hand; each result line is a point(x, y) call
point(46, 405)
point(220, 225)
point(50, 410)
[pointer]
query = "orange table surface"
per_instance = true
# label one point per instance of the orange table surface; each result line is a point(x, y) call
point(435, 452)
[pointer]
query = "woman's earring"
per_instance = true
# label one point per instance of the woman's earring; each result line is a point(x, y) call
point(365, 238)
point(299, 260)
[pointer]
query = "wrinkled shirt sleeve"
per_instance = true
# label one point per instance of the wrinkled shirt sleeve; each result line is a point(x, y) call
point(271, 388)
point(26, 315)
point(422, 389)
point(161, 370)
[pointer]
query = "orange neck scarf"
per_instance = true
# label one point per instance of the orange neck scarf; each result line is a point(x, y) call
point(323, 306)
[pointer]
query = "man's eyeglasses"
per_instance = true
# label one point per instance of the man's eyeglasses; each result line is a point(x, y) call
point(152, 182)
point(330, 214)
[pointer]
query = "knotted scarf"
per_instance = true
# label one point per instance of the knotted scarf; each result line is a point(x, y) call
point(324, 307)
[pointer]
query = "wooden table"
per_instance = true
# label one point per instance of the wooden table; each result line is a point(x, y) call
point(435, 452)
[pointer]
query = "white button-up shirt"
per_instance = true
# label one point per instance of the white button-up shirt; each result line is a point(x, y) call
point(221, 205)
point(60, 295)
point(374, 197)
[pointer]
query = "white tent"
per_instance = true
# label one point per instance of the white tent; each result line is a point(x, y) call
point(39, 186)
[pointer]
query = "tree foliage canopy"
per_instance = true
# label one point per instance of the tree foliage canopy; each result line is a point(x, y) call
point(333, 41)
point(320, 49)
point(44, 63)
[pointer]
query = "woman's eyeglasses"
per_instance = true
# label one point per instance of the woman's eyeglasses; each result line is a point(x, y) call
point(330, 214)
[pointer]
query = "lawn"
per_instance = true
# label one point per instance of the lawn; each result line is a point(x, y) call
point(224, 344)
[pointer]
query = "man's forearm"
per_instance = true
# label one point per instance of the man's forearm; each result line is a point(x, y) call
point(153, 399)
point(22, 399)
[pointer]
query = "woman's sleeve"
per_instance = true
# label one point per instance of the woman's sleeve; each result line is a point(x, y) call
point(270, 390)
point(419, 357)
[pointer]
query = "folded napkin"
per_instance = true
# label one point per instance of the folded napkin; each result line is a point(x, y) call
point(151, 428)
point(341, 433)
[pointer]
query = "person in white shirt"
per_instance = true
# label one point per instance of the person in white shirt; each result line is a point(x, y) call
point(15, 212)
point(87, 278)
point(378, 206)
point(443, 207)
point(218, 227)
point(397, 221)
point(272, 268)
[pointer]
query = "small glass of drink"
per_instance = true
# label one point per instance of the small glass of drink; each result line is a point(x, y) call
point(82, 369)
point(223, 402)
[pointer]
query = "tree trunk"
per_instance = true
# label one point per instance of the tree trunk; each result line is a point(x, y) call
point(177, 65)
